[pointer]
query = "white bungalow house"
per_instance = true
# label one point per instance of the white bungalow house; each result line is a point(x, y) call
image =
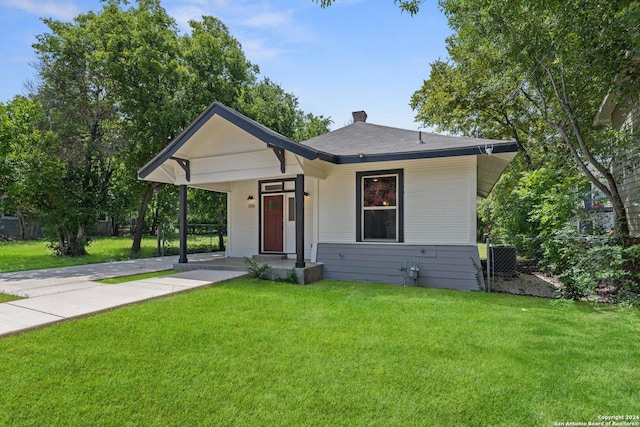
point(361, 200)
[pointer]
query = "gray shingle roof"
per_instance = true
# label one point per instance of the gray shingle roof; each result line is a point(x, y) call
point(366, 141)
point(356, 143)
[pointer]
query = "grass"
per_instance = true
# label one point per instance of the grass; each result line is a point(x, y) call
point(132, 277)
point(7, 298)
point(33, 255)
point(333, 353)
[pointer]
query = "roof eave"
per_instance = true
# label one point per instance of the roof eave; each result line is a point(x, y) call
point(509, 147)
point(603, 116)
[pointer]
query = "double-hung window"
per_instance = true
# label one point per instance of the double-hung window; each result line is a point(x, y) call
point(379, 206)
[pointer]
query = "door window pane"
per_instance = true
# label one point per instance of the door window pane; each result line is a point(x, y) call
point(274, 204)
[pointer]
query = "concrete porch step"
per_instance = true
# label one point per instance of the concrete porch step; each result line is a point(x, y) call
point(280, 267)
point(268, 257)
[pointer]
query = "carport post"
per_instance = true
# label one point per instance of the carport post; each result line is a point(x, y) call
point(183, 225)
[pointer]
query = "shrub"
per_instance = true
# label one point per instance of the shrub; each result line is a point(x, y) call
point(257, 271)
point(291, 277)
point(264, 272)
point(587, 265)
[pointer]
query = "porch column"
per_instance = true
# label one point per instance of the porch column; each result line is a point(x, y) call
point(300, 221)
point(183, 224)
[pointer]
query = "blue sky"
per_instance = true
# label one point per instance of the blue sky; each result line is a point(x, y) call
point(354, 55)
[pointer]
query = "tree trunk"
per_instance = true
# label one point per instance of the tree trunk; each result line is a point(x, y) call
point(137, 232)
point(79, 246)
point(621, 220)
point(154, 224)
point(580, 151)
point(62, 244)
point(114, 227)
point(159, 241)
point(22, 223)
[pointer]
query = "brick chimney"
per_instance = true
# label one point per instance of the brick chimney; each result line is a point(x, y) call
point(359, 116)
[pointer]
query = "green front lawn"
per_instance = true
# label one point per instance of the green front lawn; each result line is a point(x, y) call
point(33, 255)
point(332, 353)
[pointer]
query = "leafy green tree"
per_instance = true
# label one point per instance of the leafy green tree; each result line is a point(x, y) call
point(209, 207)
point(270, 105)
point(543, 62)
point(79, 97)
point(309, 125)
point(535, 204)
point(461, 98)
point(29, 166)
point(119, 85)
point(206, 65)
point(215, 65)
point(144, 57)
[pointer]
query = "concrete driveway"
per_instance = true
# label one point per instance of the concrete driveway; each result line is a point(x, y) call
point(57, 294)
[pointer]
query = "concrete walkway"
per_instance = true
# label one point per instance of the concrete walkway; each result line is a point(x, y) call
point(57, 294)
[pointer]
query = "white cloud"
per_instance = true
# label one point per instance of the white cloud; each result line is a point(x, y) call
point(184, 11)
point(55, 9)
point(279, 25)
point(265, 28)
point(269, 19)
point(258, 50)
point(184, 14)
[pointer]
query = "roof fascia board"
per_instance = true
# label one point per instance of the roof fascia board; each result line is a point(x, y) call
point(511, 147)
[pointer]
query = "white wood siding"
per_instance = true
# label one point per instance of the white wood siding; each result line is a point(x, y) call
point(337, 204)
point(439, 200)
point(629, 119)
point(243, 221)
point(309, 219)
point(630, 192)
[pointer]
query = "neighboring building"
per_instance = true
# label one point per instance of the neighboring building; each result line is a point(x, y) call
point(625, 115)
point(362, 200)
point(601, 217)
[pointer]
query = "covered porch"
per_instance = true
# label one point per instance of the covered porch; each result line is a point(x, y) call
point(268, 180)
point(280, 267)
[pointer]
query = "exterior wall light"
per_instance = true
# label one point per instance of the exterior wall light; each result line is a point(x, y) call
point(250, 201)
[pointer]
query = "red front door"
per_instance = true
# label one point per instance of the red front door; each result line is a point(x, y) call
point(272, 223)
